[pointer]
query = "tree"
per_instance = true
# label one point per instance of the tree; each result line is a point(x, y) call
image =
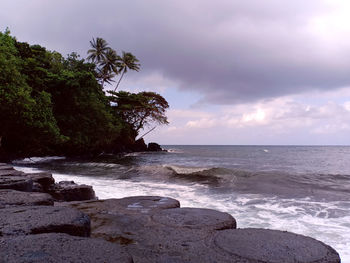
point(139, 109)
point(82, 110)
point(127, 61)
point(108, 63)
point(109, 66)
point(27, 122)
point(98, 51)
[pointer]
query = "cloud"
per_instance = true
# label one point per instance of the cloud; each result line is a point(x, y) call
point(228, 51)
point(283, 120)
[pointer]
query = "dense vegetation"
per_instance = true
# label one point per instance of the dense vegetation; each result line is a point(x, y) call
point(55, 105)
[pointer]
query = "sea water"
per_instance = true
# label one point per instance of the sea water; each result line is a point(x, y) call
point(302, 189)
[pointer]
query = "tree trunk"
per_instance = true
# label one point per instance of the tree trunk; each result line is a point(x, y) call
point(119, 80)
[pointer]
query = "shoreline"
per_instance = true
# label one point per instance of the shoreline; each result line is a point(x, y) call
point(144, 225)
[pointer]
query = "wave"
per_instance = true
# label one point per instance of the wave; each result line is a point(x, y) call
point(213, 176)
point(174, 151)
point(38, 160)
point(273, 183)
point(94, 165)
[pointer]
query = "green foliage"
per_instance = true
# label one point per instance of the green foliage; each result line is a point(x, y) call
point(139, 109)
point(81, 108)
point(55, 105)
point(27, 122)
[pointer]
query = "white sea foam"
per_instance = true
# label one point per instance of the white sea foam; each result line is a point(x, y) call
point(325, 221)
point(95, 164)
point(185, 169)
point(36, 160)
point(174, 151)
point(133, 154)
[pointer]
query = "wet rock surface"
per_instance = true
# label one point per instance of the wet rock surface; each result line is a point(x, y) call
point(131, 229)
point(43, 219)
point(19, 198)
point(59, 248)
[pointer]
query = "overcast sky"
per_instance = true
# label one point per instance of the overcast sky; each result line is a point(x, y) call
point(233, 71)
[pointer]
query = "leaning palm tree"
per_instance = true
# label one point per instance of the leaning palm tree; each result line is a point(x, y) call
point(98, 51)
point(127, 61)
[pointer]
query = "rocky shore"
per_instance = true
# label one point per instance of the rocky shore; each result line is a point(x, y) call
point(44, 221)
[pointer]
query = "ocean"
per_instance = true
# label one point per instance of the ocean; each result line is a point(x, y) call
point(302, 189)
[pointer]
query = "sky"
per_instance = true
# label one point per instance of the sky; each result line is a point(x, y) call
point(236, 72)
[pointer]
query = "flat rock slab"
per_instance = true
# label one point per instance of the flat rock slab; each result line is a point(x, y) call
point(129, 205)
point(16, 182)
point(147, 204)
point(263, 245)
point(6, 167)
point(10, 172)
point(43, 219)
point(153, 228)
point(18, 198)
point(122, 220)
point(195, 218)
point(58, 248)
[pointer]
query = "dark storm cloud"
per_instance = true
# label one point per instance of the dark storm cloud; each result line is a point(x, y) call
point(227, 50)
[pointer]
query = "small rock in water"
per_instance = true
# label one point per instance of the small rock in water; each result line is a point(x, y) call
point(154, 147)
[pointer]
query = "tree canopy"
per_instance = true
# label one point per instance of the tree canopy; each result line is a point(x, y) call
point(55, 105)
point(139, 109)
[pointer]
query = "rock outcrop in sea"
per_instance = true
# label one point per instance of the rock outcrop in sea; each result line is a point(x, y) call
point(44, 221)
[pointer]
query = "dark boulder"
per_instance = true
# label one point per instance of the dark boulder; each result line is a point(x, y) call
point(139, 146)
point(27, 220)
point(19, 198)
point(70, 191)
point(45, 180)
point(58, 248)
point(154, 147)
